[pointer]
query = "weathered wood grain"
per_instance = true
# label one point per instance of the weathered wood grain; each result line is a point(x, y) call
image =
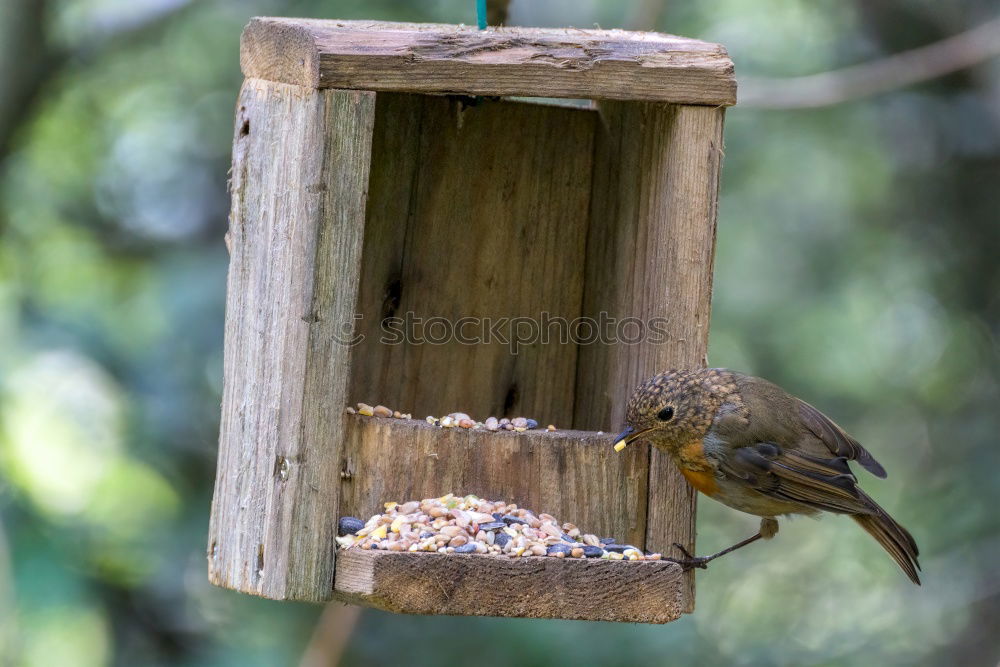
point(451, 59)
point(474, 212)
point(300, 171)
point(573, 475)
point(650, 255)
point(482, 585)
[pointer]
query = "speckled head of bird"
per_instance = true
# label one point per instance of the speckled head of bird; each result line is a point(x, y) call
point(675, 407)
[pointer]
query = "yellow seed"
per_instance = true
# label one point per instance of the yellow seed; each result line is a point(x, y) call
point(400, 520)
point(379, 533)
point(620, 445)
point(390, 505)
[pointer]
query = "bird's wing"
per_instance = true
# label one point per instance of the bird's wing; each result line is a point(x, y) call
point(836, 439)
point(824, 484)
point(794, 424)
point(794, 476)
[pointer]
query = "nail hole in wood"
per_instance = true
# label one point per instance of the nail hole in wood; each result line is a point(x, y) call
point(511, 399)
point(260, 560)
point(393, 294)
point(281, 468)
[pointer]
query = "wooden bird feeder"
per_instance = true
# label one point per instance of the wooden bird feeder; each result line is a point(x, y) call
point(379, 170)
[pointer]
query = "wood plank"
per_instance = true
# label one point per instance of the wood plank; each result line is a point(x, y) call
point(499, 61)
point(573, 475)
point(300, 171)
point(485, 585)
point(650, 255)
point(474, 212)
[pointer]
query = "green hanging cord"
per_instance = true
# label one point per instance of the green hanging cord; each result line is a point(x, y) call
point(481, 13)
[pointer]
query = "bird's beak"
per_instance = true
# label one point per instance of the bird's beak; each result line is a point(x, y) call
point(627, 436)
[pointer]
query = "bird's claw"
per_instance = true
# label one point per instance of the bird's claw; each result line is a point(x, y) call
point(689, 561)
point(680, 547)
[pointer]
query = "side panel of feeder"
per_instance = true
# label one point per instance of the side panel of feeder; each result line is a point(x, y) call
point(300, 171)
point(573, 475)
point(650, 255)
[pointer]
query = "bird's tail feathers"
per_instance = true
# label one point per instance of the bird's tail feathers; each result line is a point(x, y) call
point(893, 537)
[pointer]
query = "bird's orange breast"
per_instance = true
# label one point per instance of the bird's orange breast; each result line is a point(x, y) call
point(696, 469)
point(702, 481)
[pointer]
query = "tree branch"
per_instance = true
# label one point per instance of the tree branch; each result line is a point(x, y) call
point(22, 76)
point(646, 14)
point(896, 71)
point(497, 11)
point(331, 636)
point(28, 63)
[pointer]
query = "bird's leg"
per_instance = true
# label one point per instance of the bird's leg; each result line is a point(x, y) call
point(768, 529)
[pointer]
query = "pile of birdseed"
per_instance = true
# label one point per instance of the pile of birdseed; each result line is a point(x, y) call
point(455, 419)
point(465, 525)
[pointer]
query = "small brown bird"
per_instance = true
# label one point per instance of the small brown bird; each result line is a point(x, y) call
point(747, 443)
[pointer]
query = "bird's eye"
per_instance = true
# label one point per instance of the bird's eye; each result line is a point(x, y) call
point(666, 414)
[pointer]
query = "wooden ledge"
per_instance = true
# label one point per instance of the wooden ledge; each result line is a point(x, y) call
point(488, 585)
point(575, 476)
point(452, 59)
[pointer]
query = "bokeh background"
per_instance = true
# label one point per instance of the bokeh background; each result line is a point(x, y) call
point(858, 265)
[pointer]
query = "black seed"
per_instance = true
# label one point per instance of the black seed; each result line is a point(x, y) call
point(607, 540)
point(558, 548)
point(511, 519)
point(566, 538)
point(532, 423)
point(593, 552)
point(501, 539)
point(348, 525)
point(492, 525)
point(424, 535)
point(466, 548)
point(618, 548)
point(498, 516)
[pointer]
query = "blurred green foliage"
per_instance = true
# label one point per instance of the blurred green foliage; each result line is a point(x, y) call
point(858, 265)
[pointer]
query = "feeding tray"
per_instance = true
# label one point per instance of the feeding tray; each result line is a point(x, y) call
point(384, 189)
point(575, 475)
